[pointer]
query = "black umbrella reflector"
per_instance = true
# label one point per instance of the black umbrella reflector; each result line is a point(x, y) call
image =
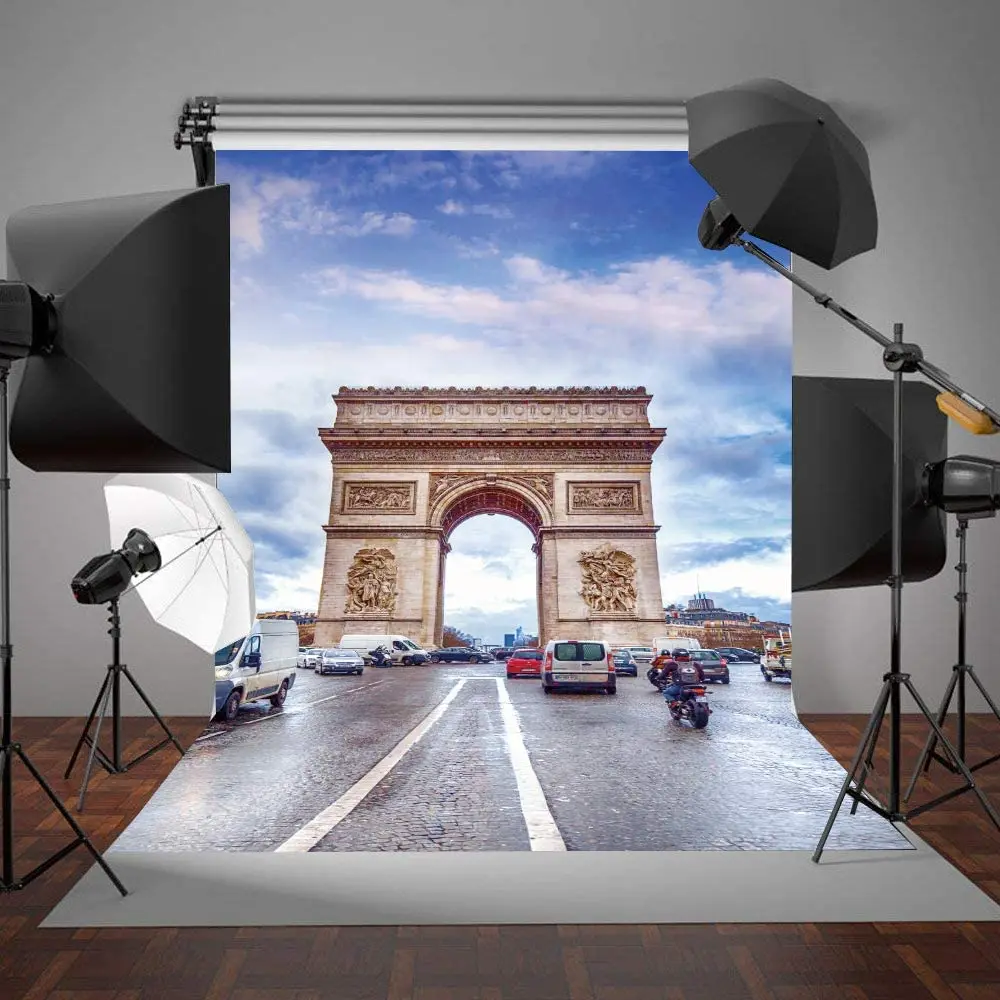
point(842, 482)
point(136, 376)
point(788, 168)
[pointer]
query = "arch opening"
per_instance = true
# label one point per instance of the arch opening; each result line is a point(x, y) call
point(492, 500)
point(489, 578)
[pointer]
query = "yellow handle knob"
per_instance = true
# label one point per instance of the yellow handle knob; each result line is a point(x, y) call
point(973, 420)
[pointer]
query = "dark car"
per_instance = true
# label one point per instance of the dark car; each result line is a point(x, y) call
point(625, 663)
point(459, 654)
point(712, 663)
point(503, 653)
point(734, 654)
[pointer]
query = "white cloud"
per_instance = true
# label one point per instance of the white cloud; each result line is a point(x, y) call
point(664, 301)
point(397, 224)
point(452, 207)
point(292, 203)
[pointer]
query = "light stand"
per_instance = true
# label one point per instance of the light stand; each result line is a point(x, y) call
point(959, 672)
point(111, 691)
point(898, 358)
point(9, 882)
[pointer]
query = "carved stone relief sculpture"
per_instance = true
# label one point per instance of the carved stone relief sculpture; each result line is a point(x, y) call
point(608, 580)
point(371, 582)
point(604, 497)
point(390, 497)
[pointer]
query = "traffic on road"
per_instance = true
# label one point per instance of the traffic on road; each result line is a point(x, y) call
point(559, 748)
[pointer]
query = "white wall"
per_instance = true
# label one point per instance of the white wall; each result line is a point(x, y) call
point(90, 96)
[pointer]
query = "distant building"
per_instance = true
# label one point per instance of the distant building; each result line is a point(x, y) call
point(508, 639)
point(721, 627)
point(299, 617)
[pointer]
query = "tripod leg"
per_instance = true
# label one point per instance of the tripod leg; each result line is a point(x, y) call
point(152, 708)
point(955, 756)
point(93, 748)
point(7, 805)
point(979, 684)
point(86, 728)
point(924, 761)
point(874, 721)
point(869, 765)
point(66, 815)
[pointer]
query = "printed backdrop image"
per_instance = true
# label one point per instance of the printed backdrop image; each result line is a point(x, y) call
point(481, 402)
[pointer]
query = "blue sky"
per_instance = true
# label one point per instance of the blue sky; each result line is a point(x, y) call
point(558, 268)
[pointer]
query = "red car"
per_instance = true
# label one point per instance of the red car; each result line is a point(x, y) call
point(525, 663)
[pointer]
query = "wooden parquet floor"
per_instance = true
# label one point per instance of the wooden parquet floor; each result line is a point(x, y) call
point(908, 961)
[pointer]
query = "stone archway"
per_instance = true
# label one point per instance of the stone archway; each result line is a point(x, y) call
point(460, 498)
point(572, 464)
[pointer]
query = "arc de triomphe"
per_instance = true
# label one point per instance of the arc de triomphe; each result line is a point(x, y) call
point(572, 464)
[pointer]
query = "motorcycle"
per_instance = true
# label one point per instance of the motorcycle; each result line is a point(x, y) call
point(654, 678)
point(693, 706)
point(381, 657)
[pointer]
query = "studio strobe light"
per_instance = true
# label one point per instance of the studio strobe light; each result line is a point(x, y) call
point(107, 577)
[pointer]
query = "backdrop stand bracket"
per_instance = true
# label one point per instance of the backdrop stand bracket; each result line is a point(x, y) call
point(194, 128)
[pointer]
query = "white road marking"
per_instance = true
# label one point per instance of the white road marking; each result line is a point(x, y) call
point(543, 834)
point(295, 709)
point(318, 827)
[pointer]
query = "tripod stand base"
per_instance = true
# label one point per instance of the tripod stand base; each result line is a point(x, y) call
point(864, 762)
point(111, 691)
point(929, 754)
point(10, 883)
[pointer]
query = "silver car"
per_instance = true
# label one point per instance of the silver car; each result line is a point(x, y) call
point(641, 654)
point(340, 661)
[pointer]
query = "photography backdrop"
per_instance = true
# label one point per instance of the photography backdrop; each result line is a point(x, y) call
point(914, 78)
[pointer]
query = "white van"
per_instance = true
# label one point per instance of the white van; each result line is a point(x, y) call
point(675, 642)
point(260, 665)
point(578, 664)
point(404, 651)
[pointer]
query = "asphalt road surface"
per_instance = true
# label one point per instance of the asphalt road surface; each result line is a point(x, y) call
point(456, 757)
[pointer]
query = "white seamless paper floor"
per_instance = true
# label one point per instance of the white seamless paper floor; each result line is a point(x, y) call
point(220, 889)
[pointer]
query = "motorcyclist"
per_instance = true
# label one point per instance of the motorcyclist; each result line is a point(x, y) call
point(674, 690)
point(379, 656)
point(662, 667)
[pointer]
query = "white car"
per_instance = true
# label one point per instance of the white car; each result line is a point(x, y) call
point(308, 657)
point(574, 664)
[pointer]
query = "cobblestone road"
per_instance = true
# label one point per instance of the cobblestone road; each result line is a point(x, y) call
point(612, 773)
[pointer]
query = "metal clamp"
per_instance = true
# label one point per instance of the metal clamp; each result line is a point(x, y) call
point(194, 128)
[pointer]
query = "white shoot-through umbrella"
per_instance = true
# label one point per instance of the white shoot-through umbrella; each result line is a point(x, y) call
point(204, 589)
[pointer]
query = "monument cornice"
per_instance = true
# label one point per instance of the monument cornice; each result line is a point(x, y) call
point(489, 453)
point(528, 434)
point(484, 392)
point(362, 530)
point(599, 531)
